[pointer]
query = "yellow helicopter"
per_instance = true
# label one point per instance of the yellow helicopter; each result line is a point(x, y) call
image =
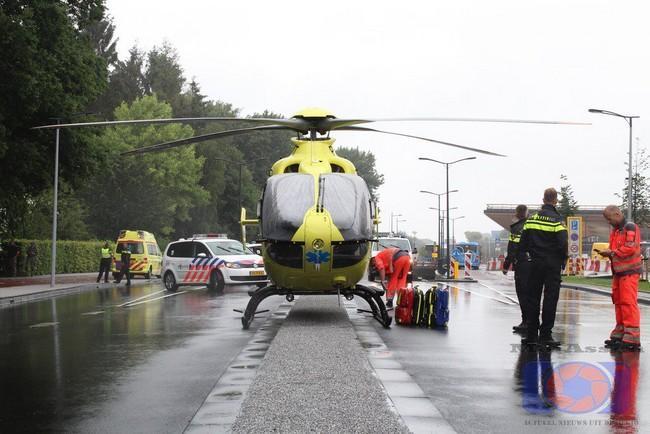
point(315, 212)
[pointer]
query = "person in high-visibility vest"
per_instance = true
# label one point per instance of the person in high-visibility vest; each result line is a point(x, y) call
point(625, 255)
point(545, 240)
point(393, 263)
point(105, 262)
point(520, 264)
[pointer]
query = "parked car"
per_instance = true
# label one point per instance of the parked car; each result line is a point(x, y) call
point(386, 242)
point(424, 266)
point(212, 261)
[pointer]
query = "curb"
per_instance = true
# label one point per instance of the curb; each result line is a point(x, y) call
point(641, 300)
point(51, 293)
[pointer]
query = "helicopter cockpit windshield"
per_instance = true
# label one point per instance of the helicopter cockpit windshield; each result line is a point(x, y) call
point(347, 199)
point(286, 199)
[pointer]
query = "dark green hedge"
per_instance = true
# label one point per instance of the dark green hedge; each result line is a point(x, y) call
point(71, 256)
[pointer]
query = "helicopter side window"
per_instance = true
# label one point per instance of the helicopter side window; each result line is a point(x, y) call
point(287, 197)
point(347, 199)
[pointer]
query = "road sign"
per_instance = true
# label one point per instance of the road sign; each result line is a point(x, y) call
point(574, 225)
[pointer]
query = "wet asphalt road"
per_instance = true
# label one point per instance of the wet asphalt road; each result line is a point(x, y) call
point(82, 363)
point(476, 375)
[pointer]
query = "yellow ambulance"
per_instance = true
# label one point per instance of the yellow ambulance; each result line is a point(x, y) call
point(146, 257)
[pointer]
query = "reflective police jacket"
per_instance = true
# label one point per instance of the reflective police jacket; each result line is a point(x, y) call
point(544, 236)
point(125, 258)
point(513, 243)
point(625, 244)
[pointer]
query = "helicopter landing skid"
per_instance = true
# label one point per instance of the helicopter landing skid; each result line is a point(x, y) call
point(371, 295)
point(377, 306)
point(257, 297)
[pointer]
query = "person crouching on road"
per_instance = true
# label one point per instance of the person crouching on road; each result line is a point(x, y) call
point(393, 263)
point(545, 240)
point(519, 262)
point(125, 265)
point(625, 255)
point(105, 262)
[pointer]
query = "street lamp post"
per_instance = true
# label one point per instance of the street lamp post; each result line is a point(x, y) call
point(393, 217)
point(397, 224)
point(441, 221)
point(447, 164)
point(440, 236)
point(628, 119)
point(453, 228)
point(55, 207)
point(240, 164)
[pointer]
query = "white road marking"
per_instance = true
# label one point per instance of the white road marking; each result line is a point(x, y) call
point(93, 313)
point(499, 292)
point(140, 298)
point(43, 324)
point(486, 296)
point(154, 299)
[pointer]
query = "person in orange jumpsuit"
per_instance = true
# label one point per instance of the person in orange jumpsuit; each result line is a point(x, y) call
point(625, 255)
point(393, 263)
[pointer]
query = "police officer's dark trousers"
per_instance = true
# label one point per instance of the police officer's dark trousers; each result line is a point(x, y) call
point(104, 268)
point(544, 275)
point(124, 271)
point(522, 271)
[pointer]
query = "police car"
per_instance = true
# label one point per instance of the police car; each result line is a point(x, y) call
point(212, 260)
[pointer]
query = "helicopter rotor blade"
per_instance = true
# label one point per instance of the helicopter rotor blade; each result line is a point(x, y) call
point(203, 138)
point(293, 124)
point(335, 124)
point(482, 151)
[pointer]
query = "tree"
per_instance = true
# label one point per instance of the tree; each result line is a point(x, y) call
point(164, 75)
point(100, 35)
point(567, 205)
point(364, 161)
point(473, 236)
point(72, 213)
point(640, 189)
point(125, 84)
point(152, 191)
point(48, 69)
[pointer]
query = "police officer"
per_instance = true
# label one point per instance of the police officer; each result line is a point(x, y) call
point(125, 265)
point(105, 262)
point(519, 262)
point(545, 240)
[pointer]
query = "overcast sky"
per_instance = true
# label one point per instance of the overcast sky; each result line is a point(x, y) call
point(541, 59)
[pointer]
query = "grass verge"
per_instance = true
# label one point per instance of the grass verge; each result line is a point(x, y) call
point(606, 282)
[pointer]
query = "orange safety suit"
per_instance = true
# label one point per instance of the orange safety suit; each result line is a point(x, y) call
point(396, 264)
point(625, 244)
